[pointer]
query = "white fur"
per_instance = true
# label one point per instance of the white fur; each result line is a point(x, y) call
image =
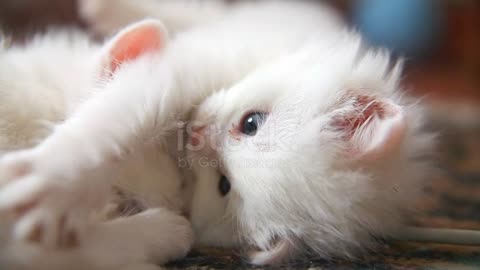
point(41, 84)
point(293, 187)
point(31, 90)
point(154, 236)
point(293, 181)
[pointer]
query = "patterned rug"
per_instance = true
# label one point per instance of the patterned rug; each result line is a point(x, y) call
point(452, 201)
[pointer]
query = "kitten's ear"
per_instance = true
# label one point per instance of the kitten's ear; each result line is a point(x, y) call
point(373, 128)
point(132, 42)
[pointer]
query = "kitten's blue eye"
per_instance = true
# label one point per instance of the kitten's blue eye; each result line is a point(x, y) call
point(224, 185)
point(251, 122)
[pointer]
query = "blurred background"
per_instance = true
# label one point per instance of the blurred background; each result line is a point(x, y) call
point(440, 39)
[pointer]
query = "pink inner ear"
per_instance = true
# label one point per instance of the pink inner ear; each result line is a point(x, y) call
point(373, 129)
point(366, 107)
point(133, 43)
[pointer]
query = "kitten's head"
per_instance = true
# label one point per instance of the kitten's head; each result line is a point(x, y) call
point(317, 151)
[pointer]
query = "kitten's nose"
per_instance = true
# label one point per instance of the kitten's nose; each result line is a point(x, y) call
point(197, 133)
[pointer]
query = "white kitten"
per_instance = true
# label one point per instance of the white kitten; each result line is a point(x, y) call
point(327, 155)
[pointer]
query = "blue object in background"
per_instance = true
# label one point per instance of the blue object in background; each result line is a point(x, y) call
point(408, 27)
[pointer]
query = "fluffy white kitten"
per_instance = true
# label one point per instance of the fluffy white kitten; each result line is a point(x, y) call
point(317, 148)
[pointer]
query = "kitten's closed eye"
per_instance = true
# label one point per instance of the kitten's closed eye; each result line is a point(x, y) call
point(224, 185)
point(251, 122)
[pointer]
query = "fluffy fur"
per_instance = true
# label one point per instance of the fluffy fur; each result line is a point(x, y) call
point(338, 159)
point(42, 84)
point(298, 184)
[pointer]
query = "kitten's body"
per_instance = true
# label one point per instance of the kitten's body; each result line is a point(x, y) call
point(41, 83)
point(263, 54)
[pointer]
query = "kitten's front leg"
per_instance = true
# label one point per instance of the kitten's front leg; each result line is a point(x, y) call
point(49, 195)
point(51, 190)
point(154, 236)
point(139, 242)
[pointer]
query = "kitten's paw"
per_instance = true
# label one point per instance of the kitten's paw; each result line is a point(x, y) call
point(47, 207)
point(184, 239)
point(167, 235)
